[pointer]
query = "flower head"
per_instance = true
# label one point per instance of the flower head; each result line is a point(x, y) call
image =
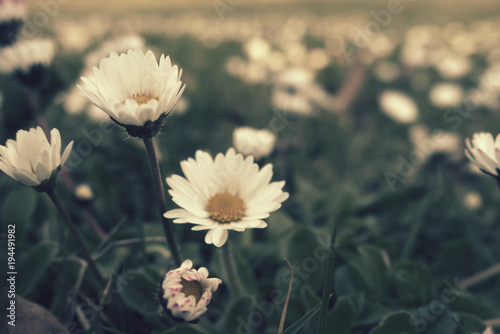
point(135, 90)
point(31, 159)
point(185, 292)
point(28, 61)
point(250, 141)
point(484, 152)
point(225, 193)
point(12, 14)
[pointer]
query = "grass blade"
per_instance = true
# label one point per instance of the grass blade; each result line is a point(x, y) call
point(293, 329)
point(327, 282)
point(285, 307)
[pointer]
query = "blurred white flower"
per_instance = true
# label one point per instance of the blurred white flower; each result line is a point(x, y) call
point(12, 10)
point(28, 61)
point(317, 59)
point(293, 103)
point(118, 44)
point(446, 95)
point(133, 88)
point(398, 106)
point(25, 54)
point(473, 200)
point(386, 71)
point(83, 192)
point(250, 141)
point(484, 152)
point(453, 66)
point(257, 48)
point(185, 293)
point(225, 193)
point(31, 159)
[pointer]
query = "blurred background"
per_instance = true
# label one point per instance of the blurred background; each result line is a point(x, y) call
point(370, 103)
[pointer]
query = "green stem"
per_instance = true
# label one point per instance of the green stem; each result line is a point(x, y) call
point(231, 270)
point(160, 197)
point(86, 255)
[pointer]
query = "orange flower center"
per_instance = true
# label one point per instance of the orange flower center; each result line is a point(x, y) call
point(225, 208)
point(143, 98)
point(191, 288)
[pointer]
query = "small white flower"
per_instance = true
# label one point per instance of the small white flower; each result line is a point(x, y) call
point(225, 193)
point(446, 95)
point(398, 106)
point(185, 292)
point(133, 88)
point(28, 61)
point(11, 10)
point(31, 159)
point(484, 152)
point(250, 141)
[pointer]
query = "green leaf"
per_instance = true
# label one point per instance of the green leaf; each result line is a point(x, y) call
point(302, 321)
point(33, 264)
point(300, 252)
point(327, 283)
point(279, 224)
point(239, 318)
point(139, 292)
point(412, 283)
point(400, 322)
point(309, 297)
point(18, 209)
point(342, 316)
point(371, 313)
point(470, 322)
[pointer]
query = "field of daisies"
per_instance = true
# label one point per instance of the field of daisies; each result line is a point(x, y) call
point(241, 168)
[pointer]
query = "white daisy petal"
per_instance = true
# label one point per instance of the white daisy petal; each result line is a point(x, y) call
point(225, 193)
point(31, 159)
point(484, 151)
point(132, 88)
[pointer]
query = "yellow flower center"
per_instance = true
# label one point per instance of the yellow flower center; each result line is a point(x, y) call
point(143, 98)
point(225, 208)
point(191, 288)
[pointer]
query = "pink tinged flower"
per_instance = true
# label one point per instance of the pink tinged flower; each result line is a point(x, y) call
point(133, 88)
point(229, 192)
point(185, 292)
point(31, 159)
point(484, 152)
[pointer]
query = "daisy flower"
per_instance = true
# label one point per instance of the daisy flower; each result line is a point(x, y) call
point(28, 61)
point(135, 90)
point(12, 15)
point(484, 152)
point(185, 292)
point(31, 159)
point(250, 141)
point(225, 193)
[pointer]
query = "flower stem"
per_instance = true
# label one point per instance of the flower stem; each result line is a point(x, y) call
point(86, 255)
point(232, 271)
point(160, 197)
point(481, 276)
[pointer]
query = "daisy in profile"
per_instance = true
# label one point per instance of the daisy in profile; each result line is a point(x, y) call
point(31, 159)
point(186, 292)
point(28, 61)
point(135, 90)
point(484, 152)
point(225, 193)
